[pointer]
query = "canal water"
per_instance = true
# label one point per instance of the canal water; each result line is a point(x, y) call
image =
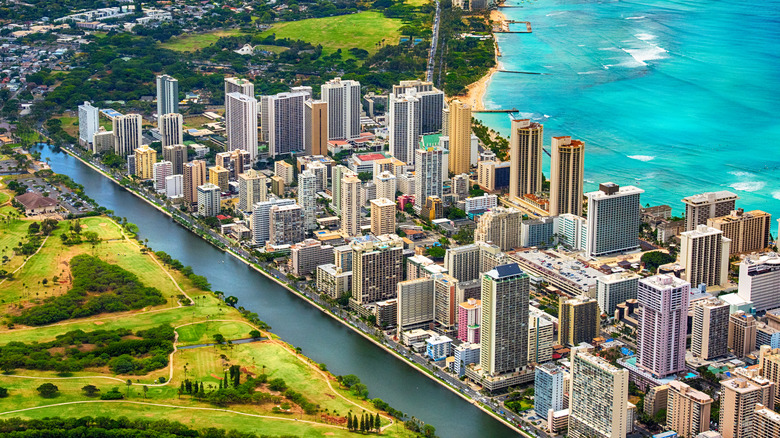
point(296, 321)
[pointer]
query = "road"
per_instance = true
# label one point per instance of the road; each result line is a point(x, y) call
point(434, 43)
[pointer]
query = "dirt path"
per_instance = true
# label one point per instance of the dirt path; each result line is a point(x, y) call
point(28, 259)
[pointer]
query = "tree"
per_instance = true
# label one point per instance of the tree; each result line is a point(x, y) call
point(429, 431)
point(146, 389)
point(219, 338)
point(90, 390)
point(129, 383)
point(231, 301)
point(48, 390)
point(378, 422)
point(652, 260)
point(255, 334)
point(349, 421)
point(3, 392)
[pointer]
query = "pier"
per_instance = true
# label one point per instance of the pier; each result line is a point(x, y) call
point(508, 111)
point(505, 27)
point(523, 72)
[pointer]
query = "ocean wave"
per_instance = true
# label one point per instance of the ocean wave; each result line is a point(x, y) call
point(741, 173)
point(645, 36)
point(748, 186)
point(648, 54)
point(776, 194)
point(642, 157)
point(552, 14)
point(636, 18)
point(587, 72)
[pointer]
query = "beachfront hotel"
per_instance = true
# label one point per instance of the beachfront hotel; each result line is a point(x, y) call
point(567, 167)
point(525, 153)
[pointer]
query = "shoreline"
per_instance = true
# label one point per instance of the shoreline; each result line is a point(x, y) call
point(306, 299)
point(475, 92)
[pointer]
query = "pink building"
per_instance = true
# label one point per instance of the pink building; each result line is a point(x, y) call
point(469, 319)
point(403, 200)
point(663, 300)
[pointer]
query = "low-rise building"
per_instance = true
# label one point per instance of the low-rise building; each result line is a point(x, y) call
point(333, 281)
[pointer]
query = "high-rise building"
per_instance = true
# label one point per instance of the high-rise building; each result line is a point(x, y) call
point(315, 127)
point(103, 141)
point(350, 205)
point(241, 123)
point(236, 162)
point(462, 262)
point(145, 157)
point(382, 216)
point(261, 223)
point(548, 388)
point(286, 122)
point(567, 168)
point(386, 186)
point(769, 366)
point(167, 95)
point(501, 227)
point(469, 318)
point(339, 173)
point(161, 171)
point(748, 231)
point(459, 131)
point(598, 397)
point(759, 280)
point(427, 174)
point(415, 303)
point(343, 99)
point(208, 200)
point(540, 338)
point(177, 155)
point(445, 302)
point(687, 410)
point(88, 123)
point(174, 186)
point(616, 288)
point(738, 399)
point(699, 208)
point(285, 224)
point(307, 255)
point(219, 176)
point(284, 170)
point(504, 325)
point(431, 103)
point(663, 301)
point(127, 134)
point(742, 333)
point(578, 320)
point(766, 423)
point(710, 328)
point(705, 256)
point(238, 85)
point(194, 176)
point(171, 127)
point(307, 198)
point(403, 124)
point(525, 154)
point(252, 188)
point(613, 219)
point(377, 267)
point(490, 256)
point(493, 175)
point(461, 185)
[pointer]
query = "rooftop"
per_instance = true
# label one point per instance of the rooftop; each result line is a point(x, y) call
point(551, 263)
point(31, 200)
point(704, 198)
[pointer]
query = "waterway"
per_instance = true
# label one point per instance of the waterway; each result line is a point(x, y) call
point(320, 337)
point(677, 97)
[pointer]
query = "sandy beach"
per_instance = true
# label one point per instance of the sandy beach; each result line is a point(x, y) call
point(475, 92)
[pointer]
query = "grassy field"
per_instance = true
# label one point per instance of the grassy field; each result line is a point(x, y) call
point(52, 260)
point(190, 43)
point(416, 2)
point(70, 124)
point(362, 30)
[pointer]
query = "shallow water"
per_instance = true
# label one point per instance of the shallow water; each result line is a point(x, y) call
point(676, 97)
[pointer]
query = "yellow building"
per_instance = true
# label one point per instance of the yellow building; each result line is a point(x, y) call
point(382, 216)
point(459, 130)
point(567, 167)
point(145, 157)
point(277, 185)
point(219, 176)
point(748, 231)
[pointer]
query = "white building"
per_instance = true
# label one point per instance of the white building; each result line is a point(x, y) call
point(663, 301)
point(241, 123)
point(427, 175)
point(208, 200)
point(613, 220)
point(307, 198)
point(286, 122)
point(484, 202)
point(386, 186)
point(343, 98)
point(174, 186)
point(704, 252)
point(598, 397)
point(161, 171)
point(167, 95)
point(403, 126)
point(572, 231)
point(759, 280)
point(88, 123)
point(548, 388)
point(614, 289)
point(237, 85)
point(127, 134)
point(261, 224)
point(171, 129)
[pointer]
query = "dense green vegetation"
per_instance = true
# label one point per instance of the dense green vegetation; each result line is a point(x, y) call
point(464, 59)
point(104, 427)
point(652, 260)
point(97, 287)
point(77, 350)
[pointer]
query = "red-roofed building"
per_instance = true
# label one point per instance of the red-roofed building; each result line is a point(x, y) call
point(34, 203)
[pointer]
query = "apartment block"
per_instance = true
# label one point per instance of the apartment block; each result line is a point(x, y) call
point(663, 301)
point(377, 267)
point(616, 288)
point(710, 328)
point(598, 397)
point(748, 231)
point(688, 410)
point(742, 333)
point(759, 280)
point(613, 219)
point(578, 320)
point(699, 208)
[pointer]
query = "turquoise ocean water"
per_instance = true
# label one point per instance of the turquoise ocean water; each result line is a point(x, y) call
point(676, 97)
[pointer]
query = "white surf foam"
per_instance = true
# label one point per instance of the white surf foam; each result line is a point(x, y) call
point(748, 186)
point(741, 173)
point(636, 18)
point(645, 36)
point(642, 157)
point(776, 194)
point(648, 54)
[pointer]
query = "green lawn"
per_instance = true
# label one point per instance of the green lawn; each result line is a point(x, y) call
point(190, 43)
point(204, 333)
point(362, 30)
point(269, 48)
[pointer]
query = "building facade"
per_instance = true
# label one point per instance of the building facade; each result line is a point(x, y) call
point(241, 123)
point(613, 219)
point(598, 397)
point(171, 127)
point(504, 321)
point(705, 255)
point(343, 100)
point(525, 154)
point(662, 328)
point(567, 169)
point(710, 328)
